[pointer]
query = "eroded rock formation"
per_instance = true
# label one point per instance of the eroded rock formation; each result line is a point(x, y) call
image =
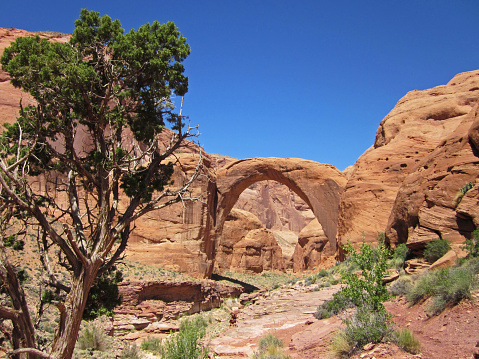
point(258, 251)
point(420, 159)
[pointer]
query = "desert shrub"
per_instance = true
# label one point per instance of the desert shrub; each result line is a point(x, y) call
point(151, 344)
point(340, 347)
point(399, 256)
point(103, 296)
point(130, 352)
point(446, 286)
point(436, 249)
point(401, 286)
point(406, 340)
point(472, 245)
point(466, 188)
point(186, 343)
point(93, 337)
point(333, 306)
point(367, 325)
point(270, 347)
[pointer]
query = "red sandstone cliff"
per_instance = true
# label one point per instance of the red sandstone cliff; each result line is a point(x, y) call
point(407, 183)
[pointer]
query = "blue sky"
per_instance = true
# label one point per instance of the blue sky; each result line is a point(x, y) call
point(307, 79)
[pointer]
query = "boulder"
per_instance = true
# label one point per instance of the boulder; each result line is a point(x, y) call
point(258, 251)
point(310, 247)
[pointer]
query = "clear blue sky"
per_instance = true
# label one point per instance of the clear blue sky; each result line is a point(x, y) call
point(307, 79)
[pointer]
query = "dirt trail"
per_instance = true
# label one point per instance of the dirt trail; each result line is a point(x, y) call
point(288, 313)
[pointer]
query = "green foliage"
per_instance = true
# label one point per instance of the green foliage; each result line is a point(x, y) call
point(93, 337)
point(22, 275)
point(18, 245)
point(367, 288)
point(399, 256)
point(436, 249)
point(103, 296)
point(401, 286)
point(406, 340)
point(186, 343)
point(472, 245)
point(467, 187)
point(12, 241)
point(446, 286)
point(367, 326)
point(334, 306)
point(151, 344)
point(270, 347)
point(77, 82)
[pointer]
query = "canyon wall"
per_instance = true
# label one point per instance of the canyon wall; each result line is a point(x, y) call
point(407, 183)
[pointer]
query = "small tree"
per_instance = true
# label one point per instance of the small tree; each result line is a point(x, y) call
point(92, 141)
point(367, 288)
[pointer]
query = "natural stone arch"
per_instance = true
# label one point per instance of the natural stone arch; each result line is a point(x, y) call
point(319, 185)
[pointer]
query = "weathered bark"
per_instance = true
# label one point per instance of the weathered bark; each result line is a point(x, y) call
point(23, 335)
point(72, 312)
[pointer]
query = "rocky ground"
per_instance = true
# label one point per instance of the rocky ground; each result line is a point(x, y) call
point(288, 313)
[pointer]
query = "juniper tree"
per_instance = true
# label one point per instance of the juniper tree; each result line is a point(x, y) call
point(90, 147)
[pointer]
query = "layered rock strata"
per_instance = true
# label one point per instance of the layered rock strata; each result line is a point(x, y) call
point(406, 184)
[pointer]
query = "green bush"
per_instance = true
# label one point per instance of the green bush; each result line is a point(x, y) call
point(334, 306)
point(367, 325)
point(401, 286)
point(406, 340)
point(186, 343)
point(103, 296)
point(93, 337)
point(446, 286)
point(399, 256)
point(270, 347)
point(368, 287)
point(472, 245)
point(151, 344)
point(436, 249)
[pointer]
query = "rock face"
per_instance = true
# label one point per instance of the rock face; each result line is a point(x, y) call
point(256, 252)
point(429, 204)
point(406, 183)
point(319, 185)
point(145, 304)
point(276, 205)
point(238, 224)
point(309, 251)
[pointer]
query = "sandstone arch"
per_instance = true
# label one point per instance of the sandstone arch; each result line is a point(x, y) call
point(319, 185)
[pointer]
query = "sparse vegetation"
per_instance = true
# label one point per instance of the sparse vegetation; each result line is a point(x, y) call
point(446, 286)
point(399, 256)
point(366, 292)
point(130, 352)
point(151, 344)
point(401, 286)
point(472, 245)
point(367, 326)
point(406, 340)
point(270, 347)
point(436, 249)
point(93, 337)
point(340, 346)
point(186, 343)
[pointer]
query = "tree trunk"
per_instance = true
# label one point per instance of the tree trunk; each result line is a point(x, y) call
point(71, 312)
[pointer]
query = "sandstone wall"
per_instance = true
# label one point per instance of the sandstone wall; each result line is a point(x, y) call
point(406, 183)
